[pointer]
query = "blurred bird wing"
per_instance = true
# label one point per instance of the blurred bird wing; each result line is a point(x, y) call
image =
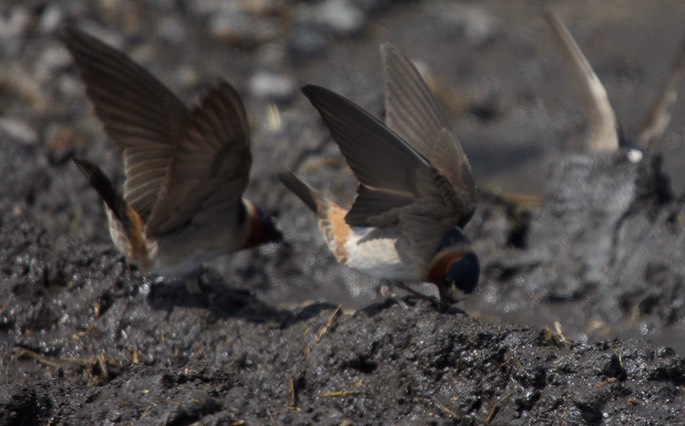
point(139, 114)
point(210, 165)
point(659, 115)
point(414, 114)
point(604, 136)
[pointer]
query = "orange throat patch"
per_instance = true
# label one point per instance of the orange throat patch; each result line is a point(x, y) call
point(441, 266)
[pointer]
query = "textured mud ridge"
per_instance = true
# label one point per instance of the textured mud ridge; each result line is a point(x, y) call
point(106, 345)
point(84, 338)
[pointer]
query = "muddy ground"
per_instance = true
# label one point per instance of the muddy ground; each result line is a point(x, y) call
point(580, 274)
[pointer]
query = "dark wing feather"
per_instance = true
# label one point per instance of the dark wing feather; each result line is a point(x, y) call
point(411, 110)
point(210, 165)
point(139, 114)
point(385, 165)
point(413, 113)
point(101, 183)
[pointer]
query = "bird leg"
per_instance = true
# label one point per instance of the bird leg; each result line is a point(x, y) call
point(384, 289)
point(416, 293)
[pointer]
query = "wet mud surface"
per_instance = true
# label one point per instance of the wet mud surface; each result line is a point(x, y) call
point(579, 314)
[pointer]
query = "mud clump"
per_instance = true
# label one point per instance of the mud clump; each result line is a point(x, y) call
point(109, 345)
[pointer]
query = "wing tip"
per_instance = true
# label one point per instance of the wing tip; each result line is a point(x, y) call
point(314, 92)
point(226, 88)
point(101, 183)
point(86, 166)
point(75, 39)
point(224, 97)
point(549, 13)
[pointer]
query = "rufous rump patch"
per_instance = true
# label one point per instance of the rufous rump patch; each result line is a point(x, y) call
point(441, 266)
point(136, 238)
point(338, 230)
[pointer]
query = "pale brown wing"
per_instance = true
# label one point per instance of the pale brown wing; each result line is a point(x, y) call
point(385, 165)
point(139, 114)
point(603, 131)
point(415, 114)
point(659, 115)
point(210, 164)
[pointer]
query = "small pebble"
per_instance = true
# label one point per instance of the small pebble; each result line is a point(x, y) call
point(271, 85)
point(52, 17)
point(14, 22)
point(307, 42)
point(60, 143)
point(341, 16)
point(237, 29)
point(18, 130)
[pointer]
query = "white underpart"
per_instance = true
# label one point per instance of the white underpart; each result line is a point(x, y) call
point(378, 257)
point(176, 257)
point(182, 252)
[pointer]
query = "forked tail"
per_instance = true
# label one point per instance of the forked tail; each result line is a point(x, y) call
point(116, 203)
point(311, 197)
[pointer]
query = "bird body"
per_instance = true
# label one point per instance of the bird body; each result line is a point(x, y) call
point(415, 192)
point(186, 168)
point(171, 256)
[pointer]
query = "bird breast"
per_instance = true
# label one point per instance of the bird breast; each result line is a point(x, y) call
point(377, 257)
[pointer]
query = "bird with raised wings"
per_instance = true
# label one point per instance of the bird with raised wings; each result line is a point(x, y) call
point(186, 168)
point(415, 194)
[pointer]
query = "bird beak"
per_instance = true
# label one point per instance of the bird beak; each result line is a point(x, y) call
point(448, 294)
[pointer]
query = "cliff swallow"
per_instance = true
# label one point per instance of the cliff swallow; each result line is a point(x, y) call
point(186, 169)
point(415, 194)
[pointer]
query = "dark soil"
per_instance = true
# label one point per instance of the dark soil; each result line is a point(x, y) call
point(574, 290)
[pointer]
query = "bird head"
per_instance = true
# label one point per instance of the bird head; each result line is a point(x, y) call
point(270, 228)
point(455, 273)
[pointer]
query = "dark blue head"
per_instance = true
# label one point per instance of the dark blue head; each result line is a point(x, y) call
point(462, 275)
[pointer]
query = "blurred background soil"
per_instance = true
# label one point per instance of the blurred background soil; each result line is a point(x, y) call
point(576, 249)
